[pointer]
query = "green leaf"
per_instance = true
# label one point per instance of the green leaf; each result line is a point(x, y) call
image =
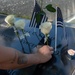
point(38, 16)
point(50, 8)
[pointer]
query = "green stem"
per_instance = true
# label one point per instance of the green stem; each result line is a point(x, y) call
point(26, 40)
point(17, 34)
point(47, 38)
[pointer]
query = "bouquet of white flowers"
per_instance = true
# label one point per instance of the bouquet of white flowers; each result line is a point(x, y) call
point(17, 25)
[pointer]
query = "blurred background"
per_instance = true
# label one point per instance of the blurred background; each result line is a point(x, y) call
point(24, 8)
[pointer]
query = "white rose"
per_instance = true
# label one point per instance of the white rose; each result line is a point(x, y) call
point(10, 19)
point(20, 24)
point(45, 27)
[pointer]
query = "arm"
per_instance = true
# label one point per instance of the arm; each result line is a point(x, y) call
point(11, 58)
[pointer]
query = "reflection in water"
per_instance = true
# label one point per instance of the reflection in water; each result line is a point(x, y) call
point(60, 65)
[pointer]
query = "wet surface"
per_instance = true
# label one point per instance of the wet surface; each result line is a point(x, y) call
point(60, 64)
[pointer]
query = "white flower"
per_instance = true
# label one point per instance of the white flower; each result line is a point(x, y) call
point(45, 27)
point(20, 24)
point(10, 19)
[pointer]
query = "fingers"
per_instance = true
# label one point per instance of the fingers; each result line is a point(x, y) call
point(51, 50)
point(40, 47)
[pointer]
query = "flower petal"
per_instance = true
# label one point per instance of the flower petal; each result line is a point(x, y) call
point(45, 27)
point(10, 19)
point(20, 24)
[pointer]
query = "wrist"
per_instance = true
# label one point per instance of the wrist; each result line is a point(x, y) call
point(33, 58)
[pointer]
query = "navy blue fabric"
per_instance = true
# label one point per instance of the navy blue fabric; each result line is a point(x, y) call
point(3, 72)
point(43, 17)
point(59, 17)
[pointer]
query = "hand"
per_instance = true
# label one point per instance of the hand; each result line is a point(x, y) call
point(44, 53)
